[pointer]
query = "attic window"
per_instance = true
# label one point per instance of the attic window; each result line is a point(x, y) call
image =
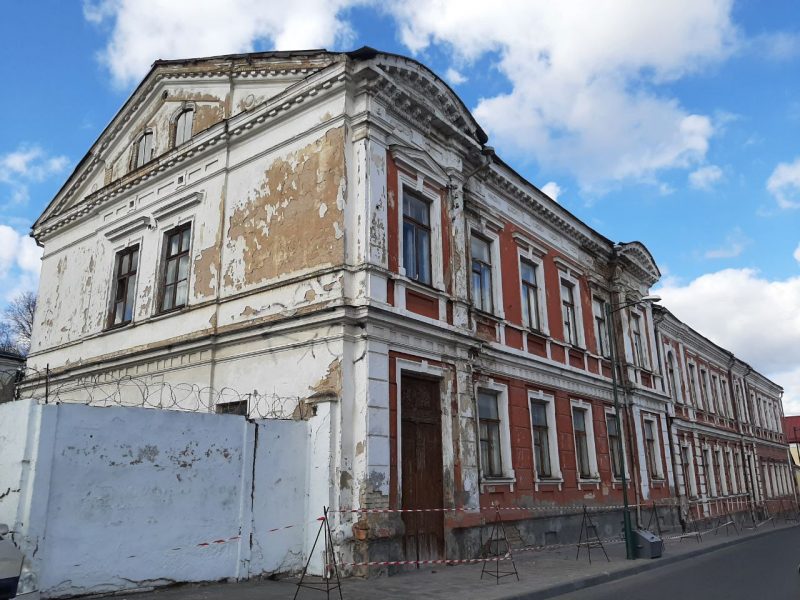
point(183, 126)
point(144, 149)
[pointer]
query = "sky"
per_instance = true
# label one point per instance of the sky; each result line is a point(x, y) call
point(671, 122)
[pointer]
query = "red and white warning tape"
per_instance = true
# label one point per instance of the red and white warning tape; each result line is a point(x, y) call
point(596, 508)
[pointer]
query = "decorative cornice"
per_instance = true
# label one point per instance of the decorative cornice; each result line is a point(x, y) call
point(128, 228)
point(177, 205)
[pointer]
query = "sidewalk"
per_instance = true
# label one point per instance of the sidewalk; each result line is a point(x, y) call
point(542, 574)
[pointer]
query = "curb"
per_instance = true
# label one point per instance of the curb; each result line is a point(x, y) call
point(645, 565)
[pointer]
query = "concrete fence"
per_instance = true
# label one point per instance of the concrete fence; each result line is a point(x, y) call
point(107, 499)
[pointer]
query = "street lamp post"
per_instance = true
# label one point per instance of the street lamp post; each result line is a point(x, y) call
point(626, 514)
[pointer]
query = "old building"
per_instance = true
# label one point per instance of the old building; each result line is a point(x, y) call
point(726, 427)
point(327, 235)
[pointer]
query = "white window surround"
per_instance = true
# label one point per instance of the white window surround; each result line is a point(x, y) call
point(605, 300)
point(612, 411)
point(552, 438)
point(590, 441)
point(493, 239)
point(576, 298)
point(114, 254)
point(633, 314)
point(721, 468)
point(675, 381)
point(164, 227)
point(501, 391)
point(659, 475)
point(710, 472)
point(691, 368)
point(732, 471)
point(404, 181)
point(536, 259)
point(414, 368)
point(691, 476)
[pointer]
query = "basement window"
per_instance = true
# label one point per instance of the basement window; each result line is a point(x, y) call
point(124, 287)
point(238, 407)
point(175, 283)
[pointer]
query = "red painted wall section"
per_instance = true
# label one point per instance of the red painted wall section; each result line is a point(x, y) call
point(447, 242)
point(588, 317)
point(422, 304)
point(509, 273)
point(553, 290)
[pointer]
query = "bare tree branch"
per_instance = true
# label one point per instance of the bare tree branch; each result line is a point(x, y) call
point(19, 318)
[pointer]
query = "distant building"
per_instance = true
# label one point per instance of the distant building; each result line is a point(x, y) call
point(333, 228)
point(791, 425)
point(10, 365)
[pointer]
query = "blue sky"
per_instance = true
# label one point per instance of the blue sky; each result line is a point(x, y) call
point(672, 122)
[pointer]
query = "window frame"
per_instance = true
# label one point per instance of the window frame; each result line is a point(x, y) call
point(691, 489)
point(567, 275)
point(490, 269)
point(134, 248)
point(602, 334)
point(611, 413)
point(500, 391)
point(164, 266)
point(532, 317)
point(538, 396)
point(638, 349)
point(654, 465)
point(186, 109)
point(417, 226)
point(694, 391)
point(137, 148)
point(417, 185)
point(591, 447)
point(710, 474)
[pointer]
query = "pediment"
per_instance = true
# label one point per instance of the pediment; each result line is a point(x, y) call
point(638, 257)
point(217, 88)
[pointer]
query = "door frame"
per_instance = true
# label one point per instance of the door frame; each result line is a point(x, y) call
point(423, 370)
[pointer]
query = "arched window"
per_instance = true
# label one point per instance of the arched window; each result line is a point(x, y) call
point(183, 126)
point(144, 149)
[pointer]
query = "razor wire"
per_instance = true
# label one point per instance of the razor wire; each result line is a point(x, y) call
point(151, 391)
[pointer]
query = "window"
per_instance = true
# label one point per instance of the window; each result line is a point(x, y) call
point(175, 288)
point(601, 327)
point(671, 381)
point(722, 469)
point(183, 127)
point(614, 445)
point(568, 312)
point(636, 335)
point(237, 407)
point(481, 274)
point(711, 477)
point(651, 449)
point(693, 383)
point(489, 418)
point(715, 395)
point(729, 462)
point(530, 295)
point(144, 149)
point(704, 391)
point(581, 442)
point(689, 483)
point(416, 238)
point(541, 440)
point(124, 286)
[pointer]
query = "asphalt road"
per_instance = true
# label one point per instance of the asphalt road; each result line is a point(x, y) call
point(764, 568)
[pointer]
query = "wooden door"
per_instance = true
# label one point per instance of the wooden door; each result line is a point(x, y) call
point(421, 460)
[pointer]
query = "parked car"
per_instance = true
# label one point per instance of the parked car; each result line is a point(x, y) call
point(16, 578)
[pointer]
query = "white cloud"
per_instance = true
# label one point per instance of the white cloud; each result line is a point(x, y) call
point(552, 189)
point(20, 262)
point(757, 319)
point(455, 77)
point(784, 184)
point(142, 32)
point(23, 166)
point(735, 243)
point(704, 178)
point(777, 46)
point(587, 93)
point(797, 253)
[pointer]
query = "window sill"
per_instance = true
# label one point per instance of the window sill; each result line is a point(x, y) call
point(488, 483)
